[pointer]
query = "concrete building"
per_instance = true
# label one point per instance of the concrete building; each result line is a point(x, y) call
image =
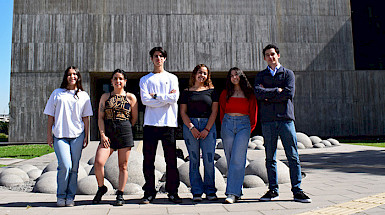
point(315, 38)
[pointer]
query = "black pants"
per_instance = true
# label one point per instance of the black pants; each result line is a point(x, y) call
point(151, 136)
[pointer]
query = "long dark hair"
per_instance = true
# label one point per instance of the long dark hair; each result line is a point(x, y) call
point(243, 83)
point(207, 83)
point(64, 83)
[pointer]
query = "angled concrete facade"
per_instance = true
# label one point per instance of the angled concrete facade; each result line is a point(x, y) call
point(98, 36)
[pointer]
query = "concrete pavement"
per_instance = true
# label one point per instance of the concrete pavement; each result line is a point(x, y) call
point(346, 179)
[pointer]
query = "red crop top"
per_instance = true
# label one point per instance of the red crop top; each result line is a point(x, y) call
point(239, 105)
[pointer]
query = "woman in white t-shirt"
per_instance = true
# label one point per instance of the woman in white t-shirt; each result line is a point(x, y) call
point(68, 110)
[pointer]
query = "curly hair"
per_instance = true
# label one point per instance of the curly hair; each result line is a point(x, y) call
point(207, 83)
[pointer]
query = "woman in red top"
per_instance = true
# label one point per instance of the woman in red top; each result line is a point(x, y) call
point(238, 113)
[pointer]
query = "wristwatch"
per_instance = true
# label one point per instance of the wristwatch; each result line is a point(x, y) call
point(155, 96)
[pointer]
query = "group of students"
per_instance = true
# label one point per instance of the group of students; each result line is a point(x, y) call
point(69, 109)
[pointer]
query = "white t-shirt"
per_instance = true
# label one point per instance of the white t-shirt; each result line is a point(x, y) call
point(162, 111)
point(68, 111)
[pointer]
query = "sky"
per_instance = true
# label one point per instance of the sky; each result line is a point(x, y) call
point(5, 52)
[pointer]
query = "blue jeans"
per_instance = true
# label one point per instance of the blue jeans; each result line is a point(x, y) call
point(68, 152)
point(286, 130)
point(208, 151)
point(235, 134)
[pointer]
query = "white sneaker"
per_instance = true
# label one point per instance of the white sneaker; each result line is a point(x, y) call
point(61, 202)
point(230, 199)
point(70, 203)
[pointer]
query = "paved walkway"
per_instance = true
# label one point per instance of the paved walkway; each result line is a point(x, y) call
point(340, 180)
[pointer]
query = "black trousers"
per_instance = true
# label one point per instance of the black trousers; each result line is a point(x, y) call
point(151, 136)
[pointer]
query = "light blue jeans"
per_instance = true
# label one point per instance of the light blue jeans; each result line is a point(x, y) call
point(208, 151)
point(235, 134)
point(286, 130)
point(68, 152)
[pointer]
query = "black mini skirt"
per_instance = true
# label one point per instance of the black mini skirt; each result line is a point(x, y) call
point(120, 133)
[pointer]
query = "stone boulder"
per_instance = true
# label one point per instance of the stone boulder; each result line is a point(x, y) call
point(15, 171)
point(219, 144)
point(34, 173)
point(27, 167)
point(89, 186)
point(334, 142)
point(315, 139)
point(252, 181)
point(10, 180)
point(50, 167)
point(326, 143)
point(181, 189)
point(304, 139)
point(257, 167)
point(259, 147)
point(184, 176)
point(221, 165)
point(46, 185)
point(319, 145)
point(132, 188)
point(279, 144)
point(300, 145)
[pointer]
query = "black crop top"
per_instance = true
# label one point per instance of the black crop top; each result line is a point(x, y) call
point(199, 102)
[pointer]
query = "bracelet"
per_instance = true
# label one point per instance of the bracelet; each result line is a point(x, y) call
point(191, 128)
point(207, 130)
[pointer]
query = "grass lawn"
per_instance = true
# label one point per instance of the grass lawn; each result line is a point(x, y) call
point(369, 144)
point(24, 151)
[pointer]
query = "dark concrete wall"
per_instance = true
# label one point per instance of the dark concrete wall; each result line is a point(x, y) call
point(101, 35)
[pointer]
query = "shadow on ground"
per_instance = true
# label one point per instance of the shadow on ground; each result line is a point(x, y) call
point(364, 161)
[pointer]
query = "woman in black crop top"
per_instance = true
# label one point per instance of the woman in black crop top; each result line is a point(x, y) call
point(198, 109)
point(118, 112)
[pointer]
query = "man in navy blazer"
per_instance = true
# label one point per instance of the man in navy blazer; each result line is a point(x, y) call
point(274, 88)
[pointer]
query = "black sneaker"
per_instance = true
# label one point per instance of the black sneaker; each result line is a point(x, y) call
point(269, 196)
point(119, 198)
point(301, 197)
point(212, 197)
point(147, 199)
point(98, 197)
point(174, 198)
point(197, 198)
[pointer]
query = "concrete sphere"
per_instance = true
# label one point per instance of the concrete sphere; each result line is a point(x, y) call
point(251, 145)
point(326, 143)
point(132, 188)
point(221, 165)
point(160, 163)
point(252, 181)
point(27, 167)
point(279, 144)
point(91, 161)
point(319, 145)
point(46, 185)
point(134, 169)
point(179, 162)
point(315, 139)
point(258, 137)
point(89, 186)
point(304, 139)
point(185, 178)
point(47, 174)
point(34, 173)
point(334, 142)
point(259, 147)
point(88, 169)
point(258, 142)
point(50, 167)
point(258, 167)
point(219, 144)
point(181, 189)
point(10, 180)
point(15, 171)
point(300, 145)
